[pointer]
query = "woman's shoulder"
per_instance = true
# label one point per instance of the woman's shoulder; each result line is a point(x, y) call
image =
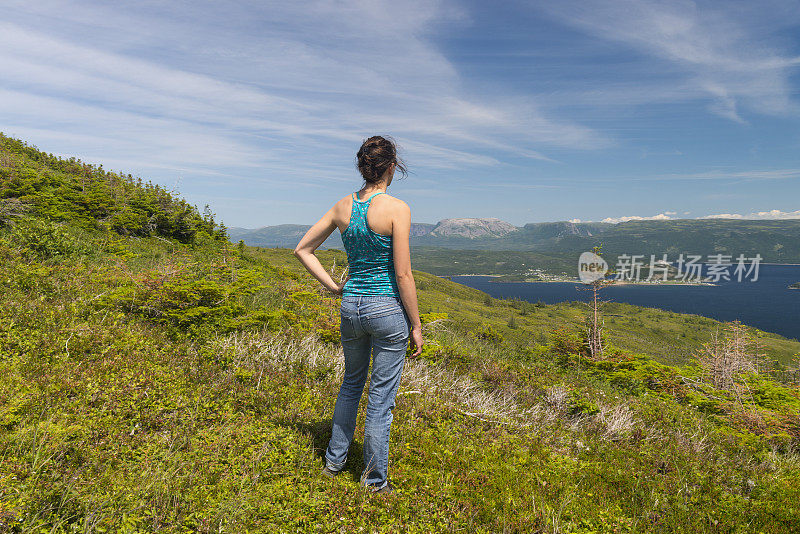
point(345, 200)
point(392, 202)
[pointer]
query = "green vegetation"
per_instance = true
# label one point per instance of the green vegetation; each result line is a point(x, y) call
point(163, 383)
point(59, 189)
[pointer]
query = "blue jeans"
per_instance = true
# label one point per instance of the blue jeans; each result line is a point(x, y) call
point(377, 325)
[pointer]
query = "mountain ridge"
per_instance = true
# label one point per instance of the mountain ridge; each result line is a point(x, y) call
point(776, 241)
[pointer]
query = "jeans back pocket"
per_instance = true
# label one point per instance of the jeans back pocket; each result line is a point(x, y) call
point(347, 325)
point(389, 323)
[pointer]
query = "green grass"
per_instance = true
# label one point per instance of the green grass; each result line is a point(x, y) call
point(117, 419)
point(149, 384)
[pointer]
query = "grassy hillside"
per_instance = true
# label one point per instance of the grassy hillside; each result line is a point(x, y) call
point(150, 383)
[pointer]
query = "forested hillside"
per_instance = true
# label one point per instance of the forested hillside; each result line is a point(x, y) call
point(57, 189)
point(155, 377)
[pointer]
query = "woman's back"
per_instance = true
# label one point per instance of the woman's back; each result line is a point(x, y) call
point(369, 253)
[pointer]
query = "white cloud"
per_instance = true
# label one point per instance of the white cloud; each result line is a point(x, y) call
point(757, 174)
point(660, 217)
point(722, 216)
point(669, 215)
point(763, 215)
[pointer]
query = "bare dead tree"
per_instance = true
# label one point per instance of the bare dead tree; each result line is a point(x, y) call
point(594, 321)
point(729, 355)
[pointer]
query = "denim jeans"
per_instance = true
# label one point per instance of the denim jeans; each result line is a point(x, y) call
point(378, 325)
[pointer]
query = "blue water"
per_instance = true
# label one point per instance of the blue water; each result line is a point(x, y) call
point(767, 303)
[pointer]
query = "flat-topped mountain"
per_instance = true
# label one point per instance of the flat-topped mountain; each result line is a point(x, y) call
point(472, 228)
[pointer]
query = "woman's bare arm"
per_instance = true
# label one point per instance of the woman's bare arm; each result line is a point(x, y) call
point(304, 251)
point(401, 229)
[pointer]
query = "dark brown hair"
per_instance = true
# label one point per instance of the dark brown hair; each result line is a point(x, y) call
point(375, 156)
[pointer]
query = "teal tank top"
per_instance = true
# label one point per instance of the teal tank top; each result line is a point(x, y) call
point(369, 255)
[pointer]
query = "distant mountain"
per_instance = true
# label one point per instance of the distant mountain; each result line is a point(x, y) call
point(775, 240)
point(282, 236)
point(495, 234)
point(420, 229)
point(556, 230)
point(473, 228)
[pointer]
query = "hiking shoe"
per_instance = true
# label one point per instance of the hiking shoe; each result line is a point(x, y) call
point(388, 488)
point(330, 473)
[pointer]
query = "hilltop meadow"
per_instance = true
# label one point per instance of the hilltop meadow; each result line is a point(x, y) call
point(156, 377)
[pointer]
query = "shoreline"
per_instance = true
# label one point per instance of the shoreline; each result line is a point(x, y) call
point(578, 282)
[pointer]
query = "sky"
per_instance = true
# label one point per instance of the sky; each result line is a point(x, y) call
point(524, 111)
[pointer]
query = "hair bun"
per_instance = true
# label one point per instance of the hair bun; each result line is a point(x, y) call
point(375, 156)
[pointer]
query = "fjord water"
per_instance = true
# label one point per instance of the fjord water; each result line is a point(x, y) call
point(767, 304)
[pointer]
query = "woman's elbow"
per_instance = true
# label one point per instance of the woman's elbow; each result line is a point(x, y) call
point(404, 275)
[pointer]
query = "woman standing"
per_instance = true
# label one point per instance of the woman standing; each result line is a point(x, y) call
point(379, 306)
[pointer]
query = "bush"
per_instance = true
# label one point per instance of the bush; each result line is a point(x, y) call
point(43, 240)
point(489, 333)
point(196, 302)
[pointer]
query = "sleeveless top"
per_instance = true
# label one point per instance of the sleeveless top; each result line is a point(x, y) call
point(369, 255)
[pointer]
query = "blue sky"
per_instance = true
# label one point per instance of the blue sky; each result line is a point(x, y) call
point(525, 111)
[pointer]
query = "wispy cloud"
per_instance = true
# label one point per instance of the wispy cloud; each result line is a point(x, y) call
point(751, 175)
point(723, 54)
point(232, 86)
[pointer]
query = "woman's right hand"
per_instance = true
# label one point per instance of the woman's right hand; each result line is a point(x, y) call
point(416, 341)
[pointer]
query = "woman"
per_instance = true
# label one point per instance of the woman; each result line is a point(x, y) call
point(379, 306)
